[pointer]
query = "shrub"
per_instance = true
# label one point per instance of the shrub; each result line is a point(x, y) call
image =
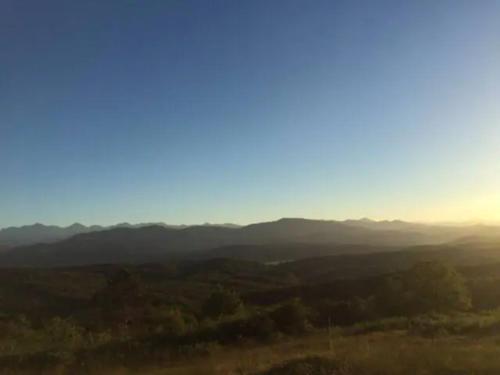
point(345, 312)
point(426, 287)
point(261, 327)
point(62, 337)
point(291, 317)
point(307, 366)
point(172, 323)
point(221, 302)
point(382, 325)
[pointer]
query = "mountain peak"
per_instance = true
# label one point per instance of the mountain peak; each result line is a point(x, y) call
point(76, 226)
point(366, 220)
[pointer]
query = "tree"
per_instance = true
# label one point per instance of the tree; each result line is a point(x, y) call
point(123, 289)
point(261, 326)
point(345, 312)
point(123, 300)
point(291, 317)
point(426, 287)
point(221, 302)
point(170, 321)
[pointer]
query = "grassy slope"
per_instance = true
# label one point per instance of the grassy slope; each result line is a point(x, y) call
point(383, 353)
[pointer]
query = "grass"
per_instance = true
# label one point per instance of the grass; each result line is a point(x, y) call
point(381, 353)
point(460, 344)
point(473, 324)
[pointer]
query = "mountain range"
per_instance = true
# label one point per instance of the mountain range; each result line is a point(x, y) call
point(40, 233)
point(280, 240)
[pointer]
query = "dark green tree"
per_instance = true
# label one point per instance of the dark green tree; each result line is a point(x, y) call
point(221, 302)
point(123, 300)
point(426, 287)
point(291, 317)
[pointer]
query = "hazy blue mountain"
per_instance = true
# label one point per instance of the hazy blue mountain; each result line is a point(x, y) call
point(271, 241)
point(120, 245)
point(40, 233)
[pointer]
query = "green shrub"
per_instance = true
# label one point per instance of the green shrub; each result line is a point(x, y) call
point(381, 325)
point(172, 322)
point(426, 287)
point(221, 302)
point(261, 327)
point(291, 317)
point(61, 337)
point(307, 366)
point(342, 313)
point(428, 326)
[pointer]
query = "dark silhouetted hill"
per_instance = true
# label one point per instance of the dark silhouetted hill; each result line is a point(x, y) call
point(39, 233)
point(281, 240)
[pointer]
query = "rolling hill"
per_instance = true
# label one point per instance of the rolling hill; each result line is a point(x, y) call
point(284, 239)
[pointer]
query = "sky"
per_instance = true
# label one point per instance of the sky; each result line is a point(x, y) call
point(218, 111)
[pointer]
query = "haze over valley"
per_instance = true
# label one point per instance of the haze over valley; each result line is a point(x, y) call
point(284, 239)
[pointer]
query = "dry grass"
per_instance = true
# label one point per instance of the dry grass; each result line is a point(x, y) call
point(376, 354)
point(395, 352)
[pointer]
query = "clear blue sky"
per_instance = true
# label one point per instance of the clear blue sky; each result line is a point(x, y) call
point(240, 111)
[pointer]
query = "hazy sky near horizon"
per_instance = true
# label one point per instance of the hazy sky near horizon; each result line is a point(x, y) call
point(240, 111)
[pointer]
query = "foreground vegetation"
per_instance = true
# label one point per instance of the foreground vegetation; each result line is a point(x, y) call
point(384, 353)
point(224, 317)
point(461, 344)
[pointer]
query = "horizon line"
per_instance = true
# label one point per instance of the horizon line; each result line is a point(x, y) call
point(208, 223)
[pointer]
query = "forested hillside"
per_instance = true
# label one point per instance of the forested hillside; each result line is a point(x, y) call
point(282, 240)
point(93, 316)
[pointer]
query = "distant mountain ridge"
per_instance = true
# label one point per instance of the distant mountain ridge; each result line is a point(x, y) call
point(36, 233)
point(283, 239)
point(40, 233)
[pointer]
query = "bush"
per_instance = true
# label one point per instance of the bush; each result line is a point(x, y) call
point(172, 323)
point(428, 326)
point(345, 312)
point(261, 327)
point(62, 337)
point(307, 366)
point(291, 317)
point(221, 302)
point(426, 287)
point(382, 325)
